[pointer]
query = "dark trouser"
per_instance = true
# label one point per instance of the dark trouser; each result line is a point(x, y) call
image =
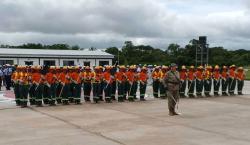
point(39, 94)
point(191, 88)
point(173, 98)
point(231, 87)
point(143, 87)
point(8, 81)
point(65, 94)
point(135, 89)
point(24, 91)
point(100, 90)
point(52, 99)
point(107, 91)
point(96, 86)
point(162, 91)
point(77, 93)
point(224, 86)
point(132, 91)
point(183, 88)
point(216, 87)
point(71, 92)
point(17, 94)
point(46, 94)
point(59, 93)
point(126, 90)
point(199, 87)
point(240, 84)
point(156, 85)
point(207, 86)
point(87, 90)
point(113, 90)
point(121, 87)
point(32, 96)
point(1, 80)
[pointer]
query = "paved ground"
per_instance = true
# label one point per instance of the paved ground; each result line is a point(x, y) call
point(208, 121)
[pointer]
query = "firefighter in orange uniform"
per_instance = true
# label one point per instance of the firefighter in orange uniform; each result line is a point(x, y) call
point(15, 79)
point(191, 82)
point(107, 81)
point(183, 78)
point(96, 79)
point(143, 77)
point(65, 81)
point(37, 79)
point(216, 78)
point(232, 79)
point(131, 83)
point(121, 79)
point(162, 75)
point(240, 76)
point(24, 86)
point(47, 94)
point(224, 80)
point(59, 73)
point(199, 81)
point(71, 83)
point(76, 82)
point(87, 83)
point(156, 81)
point(208, 81)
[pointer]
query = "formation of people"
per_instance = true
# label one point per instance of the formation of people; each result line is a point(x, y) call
point(65, 85)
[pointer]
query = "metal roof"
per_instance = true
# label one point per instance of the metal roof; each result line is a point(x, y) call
point(11, 52)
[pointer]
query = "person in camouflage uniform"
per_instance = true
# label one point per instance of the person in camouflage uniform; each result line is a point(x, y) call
point(172, 82)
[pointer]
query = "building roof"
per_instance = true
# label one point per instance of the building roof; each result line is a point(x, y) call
point(47, 53)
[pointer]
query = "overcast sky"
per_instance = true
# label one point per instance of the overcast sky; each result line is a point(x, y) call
point(104, 23)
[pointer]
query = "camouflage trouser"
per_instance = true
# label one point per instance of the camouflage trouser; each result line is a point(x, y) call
point(173, 98)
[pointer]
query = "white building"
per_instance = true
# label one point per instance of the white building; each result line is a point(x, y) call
point(54, 57)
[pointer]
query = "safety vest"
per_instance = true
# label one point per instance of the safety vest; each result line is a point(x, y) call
point(183, 75)
point(199, 75)
point(216, 75)
point(240, 75)
point(191, 75)
point(143, 77)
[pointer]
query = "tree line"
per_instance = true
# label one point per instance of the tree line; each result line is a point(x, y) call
point(145, 54)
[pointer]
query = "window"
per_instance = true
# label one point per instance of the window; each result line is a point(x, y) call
point(3, 62)
point(68, 63)
point(49, 62)
point(28, 62)
point(102, 63)
point(86, 63)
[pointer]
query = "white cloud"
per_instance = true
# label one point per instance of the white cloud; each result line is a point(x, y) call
point(103, 23)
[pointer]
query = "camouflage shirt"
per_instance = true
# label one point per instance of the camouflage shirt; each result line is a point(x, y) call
point(172, 80)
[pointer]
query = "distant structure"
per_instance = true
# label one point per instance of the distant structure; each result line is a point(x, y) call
point(54, 57)
point(202, 51)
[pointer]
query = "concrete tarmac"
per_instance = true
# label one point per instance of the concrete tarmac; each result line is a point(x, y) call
point(203, 121)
